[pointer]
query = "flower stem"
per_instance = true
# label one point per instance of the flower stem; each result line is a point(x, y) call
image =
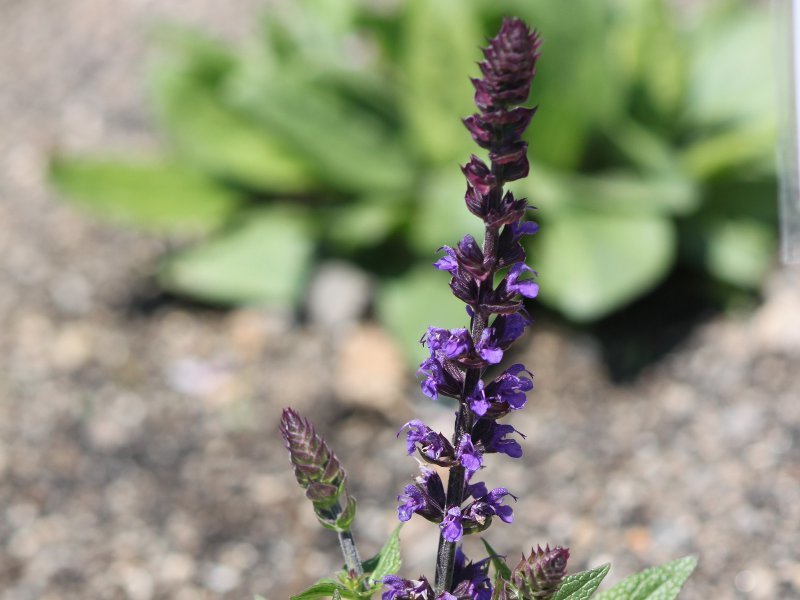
point(349, 550)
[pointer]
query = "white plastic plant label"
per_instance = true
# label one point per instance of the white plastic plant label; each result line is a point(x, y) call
point(787, 24)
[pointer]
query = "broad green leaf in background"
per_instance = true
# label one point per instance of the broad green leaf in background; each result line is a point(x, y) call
point(742, 149)
point(264, 260)
point(442, 216)
point(732, 76)
point(348, 149)
point(213, 135)
point(658, 583)
point(740, 251)
point(650, 49)
point(408, 305)
point(364, 222)
point(388, 558)
point(154, 195)
point(440, 42)
point(592, 263)
point(611, 192)
point(581, 586)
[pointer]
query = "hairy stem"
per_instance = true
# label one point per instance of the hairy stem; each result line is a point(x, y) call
point(348, 544)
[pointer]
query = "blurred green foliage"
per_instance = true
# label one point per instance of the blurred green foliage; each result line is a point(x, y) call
point(336, 133)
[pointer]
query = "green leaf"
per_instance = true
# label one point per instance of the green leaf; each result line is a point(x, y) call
point(210, 132)
point(441, 216)
point(365, 222)
point(324, 588)
point(658, 583)
point(578, 84)
point(727, 85)
point(345, 519)
point(262, 261)
point(592, 263)
point(389, 560)
point(740, 251)
point(435, 63)
point(409, 304)
point(153, 195)
point(497, 561)
point(348, 149)
point(581, 586)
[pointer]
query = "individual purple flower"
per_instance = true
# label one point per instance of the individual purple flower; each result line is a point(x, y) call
point(497, 338)
point(469, 456)
point(433, 446)
point(434, 377)
point(397, 588)
point(448, 261)
point(475, 490)
point(411, 500)
point(478, 401)
point(471, 580)
point(507, 392)
point(451, 526)
point(527, 287)
point(491, 436)
point(450, 342)
point(425, 497)
point(488, 506)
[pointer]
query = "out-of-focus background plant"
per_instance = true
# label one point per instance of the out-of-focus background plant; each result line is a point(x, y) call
point(332, 135)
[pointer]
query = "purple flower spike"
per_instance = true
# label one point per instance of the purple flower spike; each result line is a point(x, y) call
point(452, 530)
point(527, 288)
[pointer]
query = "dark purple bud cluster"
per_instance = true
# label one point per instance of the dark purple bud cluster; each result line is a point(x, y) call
point(536, 576)
point(318, 470)
point(493, 280)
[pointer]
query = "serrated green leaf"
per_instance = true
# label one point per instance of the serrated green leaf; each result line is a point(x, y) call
point(581, 586)
point(153, 195)
point(389, 561)
point(435, 63)
point(262, 261)
point(497, 561)
point(409, 304)
point(658, 583)
point(324, 588)
point(591, 263)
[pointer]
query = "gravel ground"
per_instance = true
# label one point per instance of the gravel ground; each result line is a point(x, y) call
point(139, 455)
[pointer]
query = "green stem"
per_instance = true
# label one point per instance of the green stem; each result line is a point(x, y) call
point(348, 544)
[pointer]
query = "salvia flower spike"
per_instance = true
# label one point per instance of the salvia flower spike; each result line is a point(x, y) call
point(319, 472)
point(459, 358)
